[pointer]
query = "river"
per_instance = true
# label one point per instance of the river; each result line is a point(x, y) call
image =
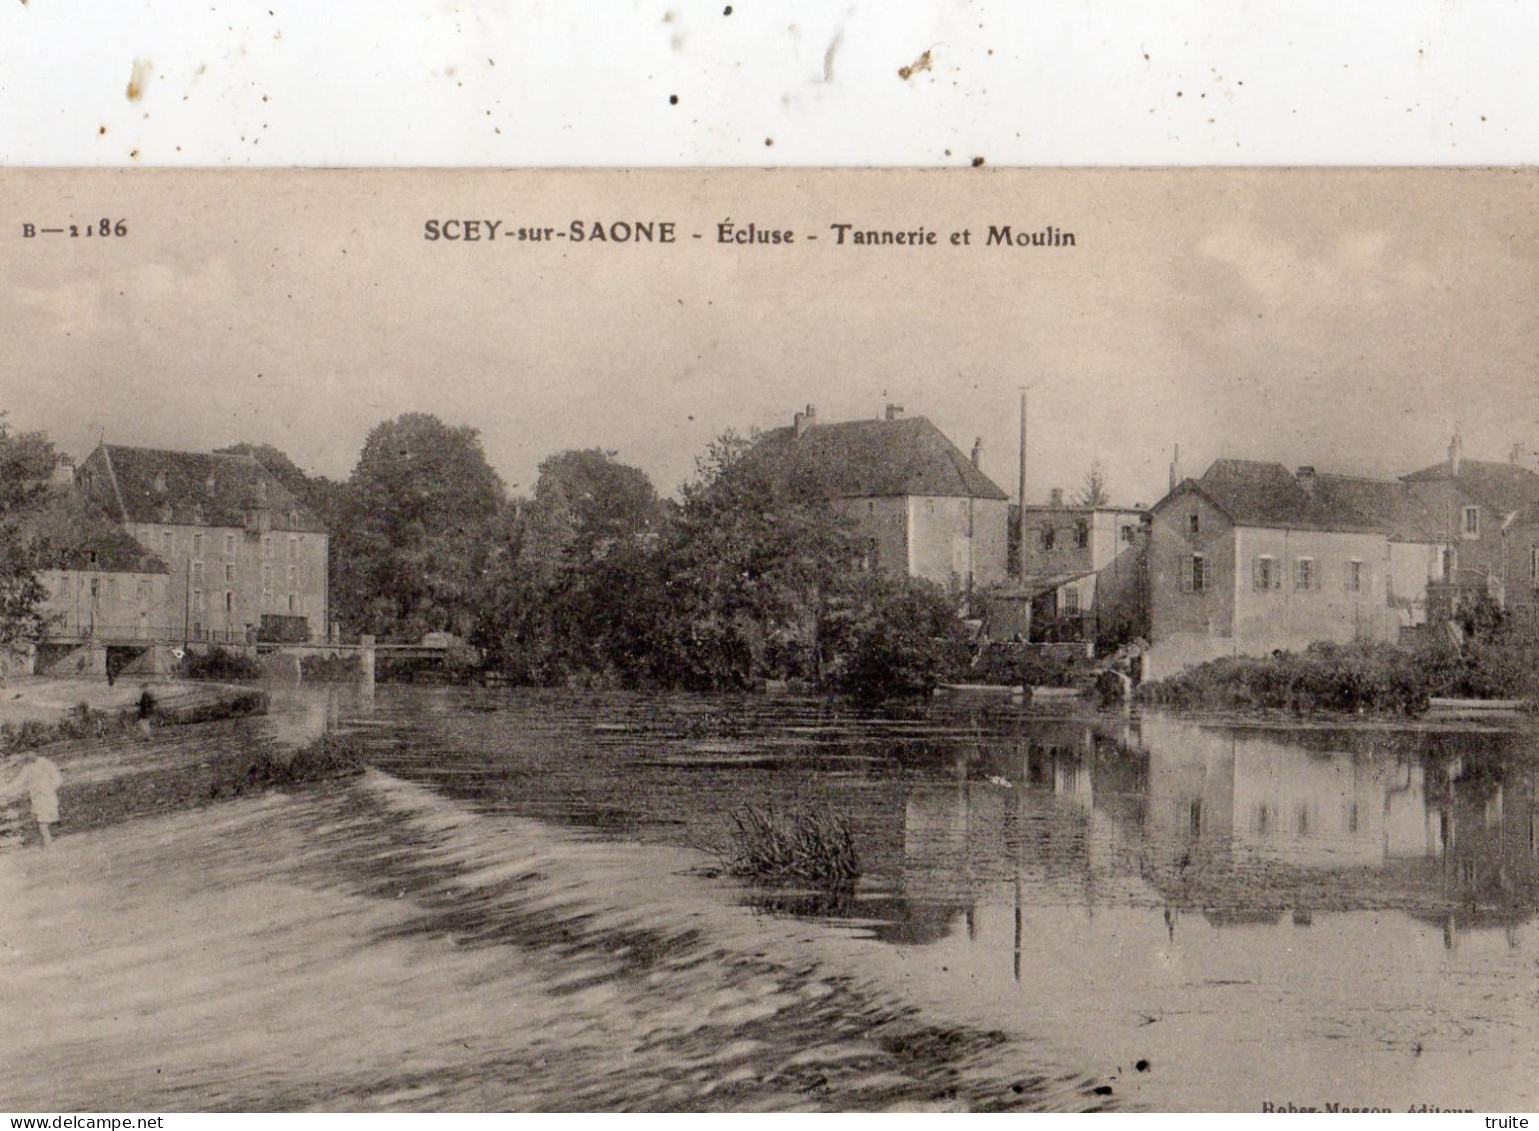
point(520, 906)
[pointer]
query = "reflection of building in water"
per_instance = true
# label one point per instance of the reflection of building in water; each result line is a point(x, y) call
point(1489, 816)
point(1273, 799)
point(1243, 824)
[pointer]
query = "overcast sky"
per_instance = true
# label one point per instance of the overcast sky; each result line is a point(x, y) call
point(1347, 320)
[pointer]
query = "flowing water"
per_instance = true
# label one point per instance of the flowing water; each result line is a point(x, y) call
point(520, 906)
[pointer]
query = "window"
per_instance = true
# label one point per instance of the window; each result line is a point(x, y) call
point(293, 577)
point(1193, 524)
point(1265, 574)
point(1127, 533)
point(1354, 576)
point(267, 548)
point(1197, 580)
point(229, 571)
point(229, 601)
point(1471, 525)
point(1533, 566)
point(165, 543)
point(197, 545)
point(1049, 536)
point(197, 573)
point(229, 545)
point(293, 547)
point(267, 580)
point(293, 603)
point(197, 600)
point(1071, 600)
point(1081, 534)
point(1304, 573)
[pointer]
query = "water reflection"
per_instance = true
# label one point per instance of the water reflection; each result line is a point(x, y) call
point(1239, 824)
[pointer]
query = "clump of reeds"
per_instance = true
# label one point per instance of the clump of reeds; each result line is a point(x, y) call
point(809, 844)
point(332, 756)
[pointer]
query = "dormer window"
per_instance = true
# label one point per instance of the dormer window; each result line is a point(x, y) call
point(1193, 524)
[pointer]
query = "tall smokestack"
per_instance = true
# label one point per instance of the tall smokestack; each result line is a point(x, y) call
point(1455, 454)
point(978, 453)
point(1175, 468)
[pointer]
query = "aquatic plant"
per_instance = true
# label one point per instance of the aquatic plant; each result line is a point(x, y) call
point(809, 844)
point(329, 757)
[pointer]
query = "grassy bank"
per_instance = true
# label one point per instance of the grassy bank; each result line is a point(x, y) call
point(1361, 678)
point(44, 711)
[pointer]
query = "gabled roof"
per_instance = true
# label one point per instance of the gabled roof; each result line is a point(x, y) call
point(875, 459)
point(1504, 487)
point(1386, 503)
point(69, 531)
point(1253, 493)
point(151, 485)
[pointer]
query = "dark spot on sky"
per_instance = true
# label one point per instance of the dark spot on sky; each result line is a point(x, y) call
point(1104, 1090)
point(1142, 1066)
point(769, 141)
point(727, 11)
point(134, 154)
point(101, 130)
point(673, 100)
point(1178, 94)
point(977, 162)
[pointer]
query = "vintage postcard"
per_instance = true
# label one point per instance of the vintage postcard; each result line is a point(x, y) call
point(794, 640)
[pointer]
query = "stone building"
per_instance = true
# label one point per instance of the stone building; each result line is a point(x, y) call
point(245, 557)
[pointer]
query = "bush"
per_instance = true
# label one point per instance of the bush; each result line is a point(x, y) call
point(889, 637)
point(328, 758)
point(220, 664)
point(1025, 665)
point(1358, 677)
point(809, 845)
point(330, 669)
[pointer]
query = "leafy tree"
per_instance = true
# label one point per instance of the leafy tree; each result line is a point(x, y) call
point(1094, 493)
point(884, 636)
point(27, 460)
point(419, 520)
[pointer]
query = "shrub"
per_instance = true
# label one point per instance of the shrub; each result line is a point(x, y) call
point(220, 664)
point(330, 757)
point(1356, 677)
point(330, 669)
point(888, 637)
point(809, 844)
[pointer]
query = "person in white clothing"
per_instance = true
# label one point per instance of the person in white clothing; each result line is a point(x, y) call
point(39, 779)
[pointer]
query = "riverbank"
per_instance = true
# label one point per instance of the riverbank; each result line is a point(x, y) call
point(36, 711)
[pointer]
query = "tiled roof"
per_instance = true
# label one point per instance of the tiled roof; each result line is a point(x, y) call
point(69, 531)
point(1253, 493)
point(1504, 487)
point(150, 485)
point(1386, 503)
point(875, 459)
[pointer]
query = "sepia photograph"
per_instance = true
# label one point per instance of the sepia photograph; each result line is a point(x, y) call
point(794, 640)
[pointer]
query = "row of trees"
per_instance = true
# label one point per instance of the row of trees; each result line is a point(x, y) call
point(596, 578)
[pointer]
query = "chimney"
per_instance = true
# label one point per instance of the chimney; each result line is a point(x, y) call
point(1055, 497)
point(1306, 478)
point(894, 412)
point(978, 453)
point(804, 420)
point(1175, 468)
point(1455, 454)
